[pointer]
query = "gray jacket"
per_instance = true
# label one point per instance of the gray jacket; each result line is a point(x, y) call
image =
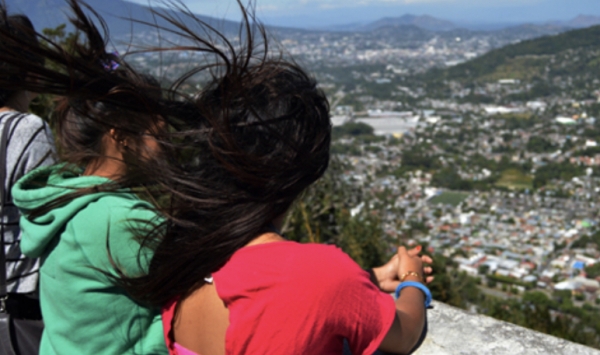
point(30, 145)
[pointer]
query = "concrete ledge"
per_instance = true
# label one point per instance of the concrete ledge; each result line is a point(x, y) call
point(455, 331)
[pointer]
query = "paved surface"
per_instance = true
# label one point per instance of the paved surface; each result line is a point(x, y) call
point(454, 331)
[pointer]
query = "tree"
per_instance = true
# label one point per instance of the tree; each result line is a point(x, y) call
point(322, 215)
point(593, 271)
point(44, 104)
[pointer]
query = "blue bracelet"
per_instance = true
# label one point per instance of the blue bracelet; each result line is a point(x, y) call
point(418, 285)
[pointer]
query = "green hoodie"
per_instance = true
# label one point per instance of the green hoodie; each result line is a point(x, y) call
point(84, 312)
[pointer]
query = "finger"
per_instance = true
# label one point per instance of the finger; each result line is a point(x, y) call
point(414, 251)
point(390, 286)
point(426, 259)
point(427, 270)
point(428, 279)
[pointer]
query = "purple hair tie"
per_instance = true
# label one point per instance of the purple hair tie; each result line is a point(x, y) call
point(111, 65)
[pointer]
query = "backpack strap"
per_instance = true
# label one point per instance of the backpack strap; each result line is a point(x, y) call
point(3, 193)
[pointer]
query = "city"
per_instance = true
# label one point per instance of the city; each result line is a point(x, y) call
point(482, 145)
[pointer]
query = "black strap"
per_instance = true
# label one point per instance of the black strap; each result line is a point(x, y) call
point(3, 194)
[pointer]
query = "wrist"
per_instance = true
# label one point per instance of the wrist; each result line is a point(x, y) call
point(418, 285)
point(411, 276)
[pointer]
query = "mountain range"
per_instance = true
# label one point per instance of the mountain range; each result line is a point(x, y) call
point(435, 24)
point(50, 13)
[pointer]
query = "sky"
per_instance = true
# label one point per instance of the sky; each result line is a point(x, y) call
point(322, 13)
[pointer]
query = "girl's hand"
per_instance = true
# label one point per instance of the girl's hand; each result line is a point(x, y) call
point(388, 276)
point(409, 262)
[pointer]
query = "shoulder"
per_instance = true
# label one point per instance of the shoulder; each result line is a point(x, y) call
point(30, 123)
point(327, 263)
point(123, 206)
point(29, 131)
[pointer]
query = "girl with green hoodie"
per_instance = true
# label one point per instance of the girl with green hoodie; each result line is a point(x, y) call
point(82, 217)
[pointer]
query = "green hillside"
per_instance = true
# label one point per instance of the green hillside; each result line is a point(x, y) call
point(575, 52)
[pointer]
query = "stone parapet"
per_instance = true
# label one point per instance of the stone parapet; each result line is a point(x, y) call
point(455, 331)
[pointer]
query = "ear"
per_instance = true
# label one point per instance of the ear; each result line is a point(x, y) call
point(115, 136)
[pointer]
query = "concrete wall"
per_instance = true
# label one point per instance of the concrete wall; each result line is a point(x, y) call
point(455, 331)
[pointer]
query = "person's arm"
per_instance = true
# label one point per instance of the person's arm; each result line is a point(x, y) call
point(410, 306)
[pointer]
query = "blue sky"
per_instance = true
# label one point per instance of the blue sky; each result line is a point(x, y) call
point(311, 13)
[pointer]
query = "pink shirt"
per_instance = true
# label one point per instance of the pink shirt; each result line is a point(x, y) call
point(291, 298)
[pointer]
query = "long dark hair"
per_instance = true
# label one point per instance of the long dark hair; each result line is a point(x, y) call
point(22, 29)
point(249, 143)
point(239, 151)
point(97, 91)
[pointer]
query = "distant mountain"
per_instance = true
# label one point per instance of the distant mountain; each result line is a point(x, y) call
point(583, 21)
point(51, 13)
point(569, 53)
point(533, 30)
point(425, 22)
point(403, 33)
point(434, 24)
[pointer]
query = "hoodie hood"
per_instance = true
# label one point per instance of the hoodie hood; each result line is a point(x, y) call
point(39, 188)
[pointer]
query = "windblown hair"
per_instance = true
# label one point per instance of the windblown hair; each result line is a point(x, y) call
point(97, 92)
point(21, 28)
point(253, 139)
point(238, 152)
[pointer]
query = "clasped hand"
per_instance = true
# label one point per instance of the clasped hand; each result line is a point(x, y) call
point(405, 263)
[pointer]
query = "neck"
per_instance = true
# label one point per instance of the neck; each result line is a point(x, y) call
point(106, 167)
point(270, 237)
point(265, 238)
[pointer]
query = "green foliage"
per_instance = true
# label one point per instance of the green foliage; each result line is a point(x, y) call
point(593, 271)
point(346, 149)
point(416, 158)
point(584, 240)
point(495, 60)
point(588, 152)
point(352, 129)
point(483, 269)
point(322, 215)
point(452, 198)
point(539, 90)
point(44, 104)
point(449, 178)
point(508, 280)
point(563, 171)
point(539, 144)
point(516, 121)
point(451, 287)
point(477, 99)
point(539, 299)
point(514, 178)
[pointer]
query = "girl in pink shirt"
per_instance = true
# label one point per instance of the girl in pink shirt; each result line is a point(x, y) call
point(246, 145)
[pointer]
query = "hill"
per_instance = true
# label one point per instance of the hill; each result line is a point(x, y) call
point(574, 52)
point(51, 13)
point(424, 21)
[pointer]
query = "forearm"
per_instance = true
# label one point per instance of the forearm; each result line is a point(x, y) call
point(411, 316)
point(408, 324)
